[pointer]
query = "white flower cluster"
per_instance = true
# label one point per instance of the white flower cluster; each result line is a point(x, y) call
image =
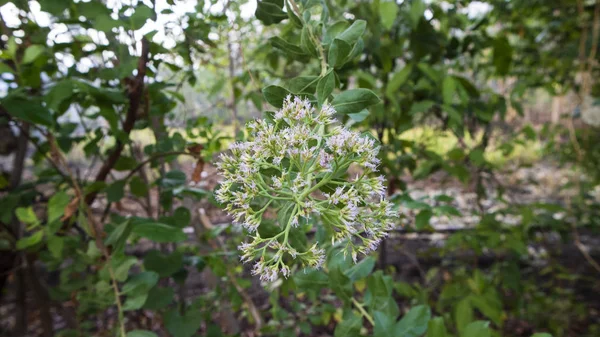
point(293, 165)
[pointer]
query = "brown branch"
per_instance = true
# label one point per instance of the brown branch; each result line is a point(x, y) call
point(135, 93)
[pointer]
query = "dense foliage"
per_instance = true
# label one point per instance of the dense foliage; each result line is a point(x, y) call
point(123, 129)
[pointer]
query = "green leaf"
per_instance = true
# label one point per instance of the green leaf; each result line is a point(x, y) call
point(60, 92)
point(477, 329)
point(379, 294)
point(448, 90)
point(140, 283)
point(422, 106)
point(275, 95)
point(422, 219)
point(463, 314)
point(502, 55)
point(26, 215)
point(338, 52)
point(349, 326)
point(115, 191)
point(489, 304)
point(173, 179)
point(476, 157)
point(397, 80)
point(541, 334)
point(32, 53)
point(308, 45)
point(354, 32)
point(437, 328)
point(54, 7)
point(303, 84)
point(55, 246)
point(325, 86)
point(125, 163)
point(292, 16)
point(164, 265)
point(183, 326)
point(159, 232)
point(384, 325)
point(5, 68)
point(361, 269)
point(118, 237)
point(359, 116)
point(313, 279)
point(415, 322)
point(333, 31)
point(388, 11)
point(135, 301)
point(138, 187)
point(123, 266)
point(27, 109)
point(430, 72)
point(140, 16)
point(352, 101)
point(182, 217)
point(417, 9)
point(30, 241)
point(141, 333)
point(105, 23)
point(291, 49)
point(270, 12)
point(340, 284)
point(56, 206)
point(159, 298)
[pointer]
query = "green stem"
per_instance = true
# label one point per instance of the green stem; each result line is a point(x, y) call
point(289, 225)
point(323, 181)
point(363, 311)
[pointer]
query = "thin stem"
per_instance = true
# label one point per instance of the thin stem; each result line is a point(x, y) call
point(95, 230)
point(363, 311)
point(115, 287)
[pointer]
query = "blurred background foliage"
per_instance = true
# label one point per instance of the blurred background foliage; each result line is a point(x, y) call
point(113, 113)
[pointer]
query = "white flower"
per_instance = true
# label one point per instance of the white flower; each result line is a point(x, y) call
point(304, 159)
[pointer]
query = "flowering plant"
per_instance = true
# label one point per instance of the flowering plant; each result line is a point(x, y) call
point(296, 162)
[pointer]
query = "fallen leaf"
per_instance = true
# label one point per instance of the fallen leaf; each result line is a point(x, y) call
point(70, 209)
point(197, 174)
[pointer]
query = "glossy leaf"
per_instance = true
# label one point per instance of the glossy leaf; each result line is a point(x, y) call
point(355, 100)
point(325, 86)
point(159, 232)
point(415, 322)
point(388, 10)
point(275, 95)
point(477, 329)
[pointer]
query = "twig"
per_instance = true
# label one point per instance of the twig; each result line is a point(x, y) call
point(135, 93)
point(94, 228)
